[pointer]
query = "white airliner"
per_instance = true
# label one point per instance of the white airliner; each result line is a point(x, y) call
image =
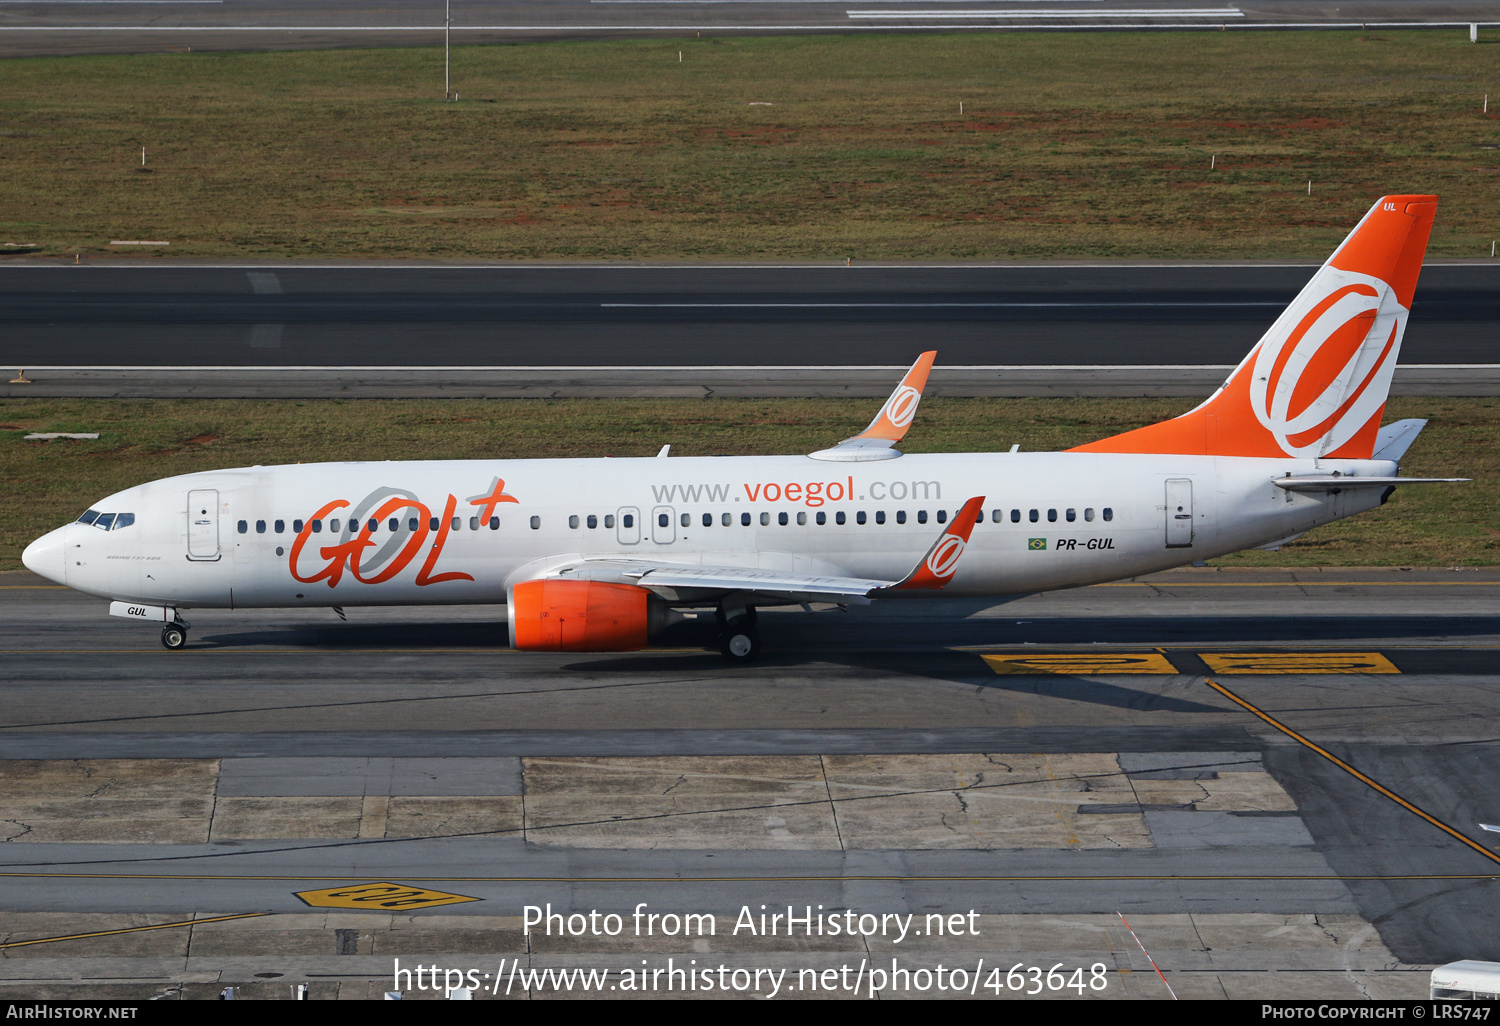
point(598, 554)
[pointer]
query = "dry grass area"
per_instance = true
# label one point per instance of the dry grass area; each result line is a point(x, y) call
point(45, 484)
point(1070, 145)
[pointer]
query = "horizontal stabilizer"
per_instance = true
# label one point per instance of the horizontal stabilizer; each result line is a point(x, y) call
point(1331, 482)
point(1394, 439)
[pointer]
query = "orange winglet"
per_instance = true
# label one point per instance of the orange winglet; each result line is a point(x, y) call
point(1316, 383)
point(941, 562)
point(900, 409)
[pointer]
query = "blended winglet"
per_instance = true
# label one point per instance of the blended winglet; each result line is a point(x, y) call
point(890, 424)
point(941, 561)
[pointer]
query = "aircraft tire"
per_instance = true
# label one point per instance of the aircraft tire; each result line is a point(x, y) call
point(174, 636)
point(739, 643)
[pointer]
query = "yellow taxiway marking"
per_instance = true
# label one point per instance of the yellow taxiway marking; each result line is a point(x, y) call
point(1297, 662)
point(1081, 664)
point(1356, 774)
point(132, 929)
point(383, 895)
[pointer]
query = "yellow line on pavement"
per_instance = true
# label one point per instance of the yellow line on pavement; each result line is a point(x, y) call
point(1341, 764)
point(132, 929)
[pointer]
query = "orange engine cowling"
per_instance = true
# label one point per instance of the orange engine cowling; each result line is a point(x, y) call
point(578, 616)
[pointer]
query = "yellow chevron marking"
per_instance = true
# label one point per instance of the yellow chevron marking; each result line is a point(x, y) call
point(1297, 662)
point(1081, 664)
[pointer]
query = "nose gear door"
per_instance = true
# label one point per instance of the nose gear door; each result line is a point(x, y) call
point(203, 524)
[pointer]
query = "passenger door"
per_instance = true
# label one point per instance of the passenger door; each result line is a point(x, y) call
point(628, 525)
point(664, 525)
point(203, 524)
point(1179, 513)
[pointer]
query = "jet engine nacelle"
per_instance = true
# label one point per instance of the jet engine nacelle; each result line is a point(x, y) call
point(583, 616)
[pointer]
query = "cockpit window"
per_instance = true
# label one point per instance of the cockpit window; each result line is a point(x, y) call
point(123, 520)
point(104, 520)
point(89, 516)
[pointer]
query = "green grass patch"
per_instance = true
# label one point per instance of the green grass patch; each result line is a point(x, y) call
point(1070, 145)
point(46, 484)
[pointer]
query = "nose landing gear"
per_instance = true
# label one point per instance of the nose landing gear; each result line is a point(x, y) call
point(175, 635)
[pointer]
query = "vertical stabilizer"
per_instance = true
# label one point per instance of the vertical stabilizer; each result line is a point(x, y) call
point(1316, 382)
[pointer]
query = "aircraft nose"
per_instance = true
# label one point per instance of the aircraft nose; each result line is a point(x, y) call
point(47, 556)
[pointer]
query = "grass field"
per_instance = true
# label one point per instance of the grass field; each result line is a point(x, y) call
point(825, 147)
point(43, 485)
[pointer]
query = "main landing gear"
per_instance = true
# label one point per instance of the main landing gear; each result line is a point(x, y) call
point(738, 639)
point(174, 635)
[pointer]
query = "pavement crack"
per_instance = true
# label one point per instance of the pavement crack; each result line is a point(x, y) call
point(25, 829)
point(681, 779)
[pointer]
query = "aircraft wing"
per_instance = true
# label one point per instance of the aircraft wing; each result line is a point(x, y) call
point(685, 582)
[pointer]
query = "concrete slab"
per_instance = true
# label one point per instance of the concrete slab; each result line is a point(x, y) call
point(246, 818)
point(446, 816)
point(329, 776)
point(1225, 830)
point(777, 802)
point(982, 801)
point(1185, 765)
point(1228, 792)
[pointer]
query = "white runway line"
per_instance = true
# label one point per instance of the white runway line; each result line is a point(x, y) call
point(1153, 12)
point(916, 304)
point(717, 27)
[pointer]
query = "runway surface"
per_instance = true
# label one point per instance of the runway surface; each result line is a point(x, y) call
point(540, 330)
point(1390, 671)
point(61, 27)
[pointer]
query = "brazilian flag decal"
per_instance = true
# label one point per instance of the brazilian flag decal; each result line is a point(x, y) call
point(1037, 544)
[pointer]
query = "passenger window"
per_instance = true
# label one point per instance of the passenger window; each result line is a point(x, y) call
point(744, 519)
point(1015, 516)
point(593, 522)
point(457, 525)
point(900, 516)
point(802, 519)
point(726, 519)
point(281, 527)
point(609, 520)
point(880, 516)
point(573, 522)
point(333, 525)
point(296, 527)
point(432, 523)
point(536, 523)
point(394, 524)
point(765, 519)
point(89, 516)
point(1072, 515)
point(822, 519)
point(242, 526)
point(708, 520)
point(838, 518)
point(1088, 513)
point(1109, 514)
point(921, 516)
point(125, 520)
point(473, 523)
point(662, 520)
point(1052, 516)
point(494, 523)
point(260, 525)
point(411, 525)
point(104, 521)
point(1033, 516)
point(942, 516)
point(997, 515)
point(781, 519)
point(687, 520)
point(859, 517)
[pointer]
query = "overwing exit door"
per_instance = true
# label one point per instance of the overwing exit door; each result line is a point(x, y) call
point(203, 523)
point(1179, 513)
point(663, 525)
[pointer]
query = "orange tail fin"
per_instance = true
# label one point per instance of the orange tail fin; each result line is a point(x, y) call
point(1316, 383)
